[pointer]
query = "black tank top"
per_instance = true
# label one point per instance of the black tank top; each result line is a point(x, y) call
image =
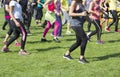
point(78, 19)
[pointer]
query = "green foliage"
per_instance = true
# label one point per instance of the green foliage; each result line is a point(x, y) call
point(47, 59)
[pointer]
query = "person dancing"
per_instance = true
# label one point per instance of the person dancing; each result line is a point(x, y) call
point(18, 27)
point(50, 16)
point(78, 13)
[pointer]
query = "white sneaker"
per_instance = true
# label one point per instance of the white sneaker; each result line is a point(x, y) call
point(88, 36)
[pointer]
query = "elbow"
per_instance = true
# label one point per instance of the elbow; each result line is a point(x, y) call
point(89, 11)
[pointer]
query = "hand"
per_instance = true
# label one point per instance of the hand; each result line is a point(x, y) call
point(97, 13)
point(17, 24)
point(84, 13)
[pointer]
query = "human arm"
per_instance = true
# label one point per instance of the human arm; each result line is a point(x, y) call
point(90, 8)
point(46, 4)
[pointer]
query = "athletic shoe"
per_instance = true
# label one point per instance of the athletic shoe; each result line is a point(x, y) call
point(43, 40)
point(18, 44)
point(56, 40)
point(83, 60)
point(117, 31)
point(68, 57)
point(107, 29)
point(88, 37)
point(29, 34)
point(100, 42)
point(5, 50)
point(23, 52)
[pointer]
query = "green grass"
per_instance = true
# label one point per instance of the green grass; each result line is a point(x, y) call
point(46, 59)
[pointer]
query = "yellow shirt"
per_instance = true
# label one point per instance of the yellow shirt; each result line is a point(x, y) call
point(112, 4)
point(64, 5)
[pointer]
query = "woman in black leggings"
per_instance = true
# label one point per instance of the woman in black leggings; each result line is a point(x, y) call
point(113, 8)
point(95, 17)
point(17, 26)
point(7, 21)
point(114, 21)
point(78, 13)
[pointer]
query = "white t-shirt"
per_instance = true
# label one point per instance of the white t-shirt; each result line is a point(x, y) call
point(17, 11)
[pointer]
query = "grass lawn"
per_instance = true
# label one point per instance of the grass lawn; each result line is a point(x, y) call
point(47, 59)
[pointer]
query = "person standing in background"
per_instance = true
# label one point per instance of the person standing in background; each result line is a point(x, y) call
point(50, 16)
point(95, 18)
point(66, 17)
point(39, 11)
point(7, 20)
point(18, 27)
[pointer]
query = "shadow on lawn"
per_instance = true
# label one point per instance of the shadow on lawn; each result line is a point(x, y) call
point(2, 37)
point(49, 48)
point(112, 41)
point(32, 42)
point(106, 57)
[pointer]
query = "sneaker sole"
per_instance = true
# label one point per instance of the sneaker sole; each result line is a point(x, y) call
point(81, 62)
point(66, 58)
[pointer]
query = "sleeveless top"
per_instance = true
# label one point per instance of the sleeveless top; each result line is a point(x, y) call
point(51, 6)
point(95, 8)
point(78, 20)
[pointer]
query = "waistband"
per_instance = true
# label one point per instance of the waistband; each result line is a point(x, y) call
point(7, 17)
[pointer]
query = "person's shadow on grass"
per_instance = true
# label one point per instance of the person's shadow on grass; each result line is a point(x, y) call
point(106, 57)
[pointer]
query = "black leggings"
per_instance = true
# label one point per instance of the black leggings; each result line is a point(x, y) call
point(17, 31)
point(98, 29)
point(115, 19)
point(81, 39)
point(4, 24)
point(10, 31)
point(39, 14)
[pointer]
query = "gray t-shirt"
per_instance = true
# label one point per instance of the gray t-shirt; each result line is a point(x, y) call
point(17, 11)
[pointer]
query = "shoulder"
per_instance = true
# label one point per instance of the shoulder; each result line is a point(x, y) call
point(12, 3)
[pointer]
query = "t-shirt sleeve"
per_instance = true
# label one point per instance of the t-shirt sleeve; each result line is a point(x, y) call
point(12, 3)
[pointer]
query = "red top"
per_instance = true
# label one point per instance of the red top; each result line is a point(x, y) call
point(51, 6)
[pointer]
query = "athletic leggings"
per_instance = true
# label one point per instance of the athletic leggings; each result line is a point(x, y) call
point(60, 26)
point(29, 15)
point(98, 29)
point(115, 19)
point(81, 39)
point(49, 25)
point(4, 24)
point(17, 31)
point(39, 14)
point(10, 31)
